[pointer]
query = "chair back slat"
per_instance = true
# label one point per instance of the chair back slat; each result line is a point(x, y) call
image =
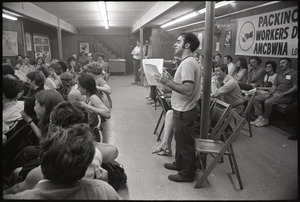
point(219, 112)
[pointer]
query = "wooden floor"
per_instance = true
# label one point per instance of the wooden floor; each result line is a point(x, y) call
point(268, 162)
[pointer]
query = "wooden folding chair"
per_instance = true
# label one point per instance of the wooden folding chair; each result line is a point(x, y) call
point(219, 110)
point(219, 145)
point(21, 137)
point(248, 98)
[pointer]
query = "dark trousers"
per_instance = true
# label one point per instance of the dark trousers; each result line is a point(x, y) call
point(136, 66)
point(184, 125)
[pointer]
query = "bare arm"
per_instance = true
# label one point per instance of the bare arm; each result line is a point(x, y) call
point(98, 107)
point(34, 127)
point(105, 88)
point(33, 177)
point(185, 88)
point(109, 152)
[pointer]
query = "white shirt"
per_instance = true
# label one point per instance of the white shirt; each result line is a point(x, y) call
point(231, 69)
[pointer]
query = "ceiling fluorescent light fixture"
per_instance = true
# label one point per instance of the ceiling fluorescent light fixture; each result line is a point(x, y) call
point(102, 8)
point(180, 19)
point(9, 17)
point(218, 5)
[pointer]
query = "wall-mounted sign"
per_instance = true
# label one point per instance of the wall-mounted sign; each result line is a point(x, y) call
point(272, 34)
point(227, 42)
point(9, 43)
point(42, 47)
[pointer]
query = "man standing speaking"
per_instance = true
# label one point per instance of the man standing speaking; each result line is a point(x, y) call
point(185, 95)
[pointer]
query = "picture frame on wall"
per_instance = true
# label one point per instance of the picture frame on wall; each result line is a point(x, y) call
point(227, 42)
point(84, 46)
point(28, 41)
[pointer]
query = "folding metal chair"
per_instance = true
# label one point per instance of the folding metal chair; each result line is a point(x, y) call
point(248, 98)
point(220, 144)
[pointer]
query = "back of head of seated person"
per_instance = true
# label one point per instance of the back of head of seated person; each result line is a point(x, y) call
point(36, 81)
point(63, 65)
point(66, 114)
point(13, 90)
point(65, 155)
point(8, 70)
point(67, 82)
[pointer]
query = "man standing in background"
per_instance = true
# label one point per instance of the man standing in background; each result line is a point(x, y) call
point(136, 63)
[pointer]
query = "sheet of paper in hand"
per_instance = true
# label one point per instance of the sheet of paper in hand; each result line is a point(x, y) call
point(152, 67)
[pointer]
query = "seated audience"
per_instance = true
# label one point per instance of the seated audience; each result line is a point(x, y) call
point(82, 58)
point(65, 115)
point(231, 67)
point(269, 78)
point(8, 71)
point(45, 101)
point(228, 89)
point(255, 72)
point(40, 62)
point(54, 73)
point(64, 168)
point(87, 86)
point(241, 70)
point(73, 66)
point(63, 65)
point(36, 80)
point(284, 89)
point(20, 59)
point(95, 69)
point(67, 81)
point(26, 68)
point(7, 61)
point(217, 59)
point(11, 105)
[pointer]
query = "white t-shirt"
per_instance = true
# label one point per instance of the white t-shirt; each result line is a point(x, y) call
point(188, 71)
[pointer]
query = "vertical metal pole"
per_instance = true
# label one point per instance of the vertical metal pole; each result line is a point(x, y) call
point(59, 41)
point(23, 37)
point(208, 44)
point(142, 54)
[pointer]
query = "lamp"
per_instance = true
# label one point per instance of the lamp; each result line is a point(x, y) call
point(188, 16)
point(9, 17)
point(102, 8)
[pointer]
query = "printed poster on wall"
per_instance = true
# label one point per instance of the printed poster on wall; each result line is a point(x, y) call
point(272, 34)
point(9, 43)
point(42, 47)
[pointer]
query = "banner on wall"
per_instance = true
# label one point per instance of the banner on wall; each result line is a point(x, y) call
point(272, 34)
point(9, 43)
point(42, 47)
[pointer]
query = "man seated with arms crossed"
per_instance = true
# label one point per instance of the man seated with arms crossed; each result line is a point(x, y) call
point(228, 89)
point(65, 156)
